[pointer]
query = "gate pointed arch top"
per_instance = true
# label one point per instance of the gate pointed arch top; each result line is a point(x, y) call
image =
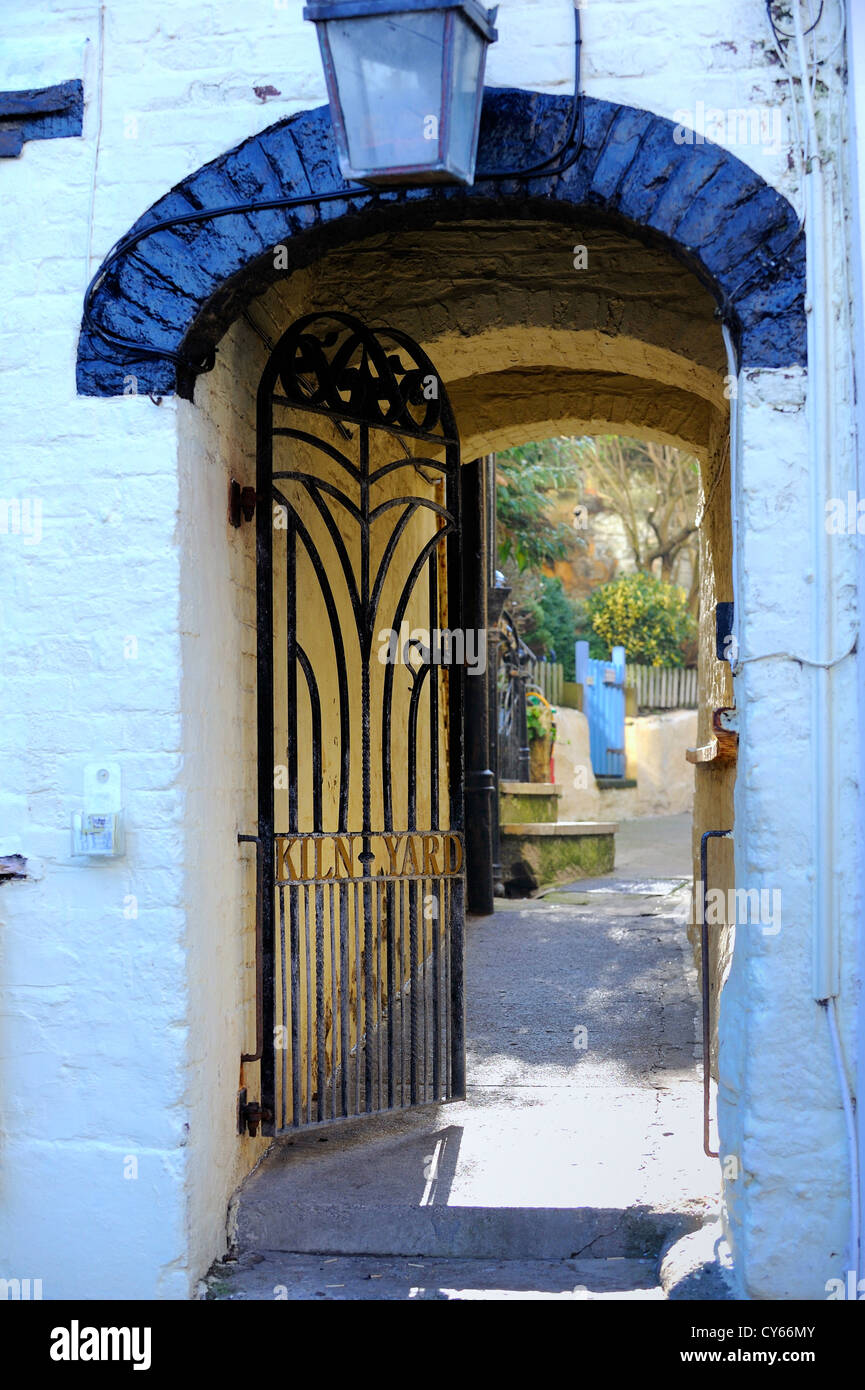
point(180, 289)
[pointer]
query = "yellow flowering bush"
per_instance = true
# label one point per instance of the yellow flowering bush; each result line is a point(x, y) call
point(645, 615)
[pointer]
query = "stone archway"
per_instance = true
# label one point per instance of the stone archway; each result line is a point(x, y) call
point(180, 288)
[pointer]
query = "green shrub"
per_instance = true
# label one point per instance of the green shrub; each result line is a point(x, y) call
point(645, 615)
point(551, 624)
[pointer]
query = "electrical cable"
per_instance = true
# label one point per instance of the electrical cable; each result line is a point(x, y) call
point(782, 33)
point(848, 1104)
point(800, 660)
point(729, 298)
point(100, 96)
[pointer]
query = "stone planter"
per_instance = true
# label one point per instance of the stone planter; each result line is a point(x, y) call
point(541, 855)
point(540, 752)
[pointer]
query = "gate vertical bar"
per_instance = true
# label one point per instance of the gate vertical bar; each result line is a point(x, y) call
point(294, 892)
point(456, 684)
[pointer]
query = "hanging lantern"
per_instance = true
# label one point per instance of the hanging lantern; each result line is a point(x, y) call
point(405, 84)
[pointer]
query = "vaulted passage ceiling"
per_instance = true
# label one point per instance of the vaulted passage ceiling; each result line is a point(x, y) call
point(527, 344)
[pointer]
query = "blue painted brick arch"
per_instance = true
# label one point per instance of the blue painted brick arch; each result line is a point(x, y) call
point(181, 288)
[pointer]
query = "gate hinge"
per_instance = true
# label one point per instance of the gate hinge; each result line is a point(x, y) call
point(241, 503)
point(250, 1115)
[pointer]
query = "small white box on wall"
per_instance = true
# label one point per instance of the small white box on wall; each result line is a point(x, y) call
point(97, 830)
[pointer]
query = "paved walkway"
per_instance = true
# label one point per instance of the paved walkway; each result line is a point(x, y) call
point(577, 1153)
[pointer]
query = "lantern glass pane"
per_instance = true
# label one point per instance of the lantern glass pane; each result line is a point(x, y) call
point(468, 54)
point(389, 73)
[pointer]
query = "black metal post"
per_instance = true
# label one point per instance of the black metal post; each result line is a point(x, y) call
point(524, 766)
point(496, 598)
point(480, 782)
point(266, 870)
point(493, 734)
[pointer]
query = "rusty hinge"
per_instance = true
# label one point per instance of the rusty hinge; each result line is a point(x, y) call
point(241, 503)
point(723, 747)
point(250, 1114)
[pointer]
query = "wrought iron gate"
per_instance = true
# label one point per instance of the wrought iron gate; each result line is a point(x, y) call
point(360, 709)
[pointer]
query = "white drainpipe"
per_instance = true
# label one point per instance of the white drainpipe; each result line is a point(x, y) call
point(820, 398)
point(821, 417)
point(734, 386)
point(856, 94)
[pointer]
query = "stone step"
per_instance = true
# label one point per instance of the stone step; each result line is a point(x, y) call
point(454, 1232)
point(535, 854)
point(532, 1179)
point(271, 1275)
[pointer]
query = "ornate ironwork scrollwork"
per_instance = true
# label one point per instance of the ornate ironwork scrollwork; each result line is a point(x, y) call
point(333, 363)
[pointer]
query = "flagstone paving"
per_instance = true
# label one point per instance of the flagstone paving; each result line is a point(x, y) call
point(576, 1157)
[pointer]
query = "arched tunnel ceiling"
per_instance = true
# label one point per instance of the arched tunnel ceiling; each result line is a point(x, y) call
point(503, 409)
point(521, 338)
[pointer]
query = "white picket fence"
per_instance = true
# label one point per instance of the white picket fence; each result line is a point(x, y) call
point(657, 687)
point(663, 687)
point(549, 676)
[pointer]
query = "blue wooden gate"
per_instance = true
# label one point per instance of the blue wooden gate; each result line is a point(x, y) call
point(603, 685)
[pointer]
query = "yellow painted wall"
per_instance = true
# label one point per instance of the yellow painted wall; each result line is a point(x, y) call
point(713, 797)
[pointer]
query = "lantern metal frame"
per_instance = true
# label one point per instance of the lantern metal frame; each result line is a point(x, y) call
point(320, 12)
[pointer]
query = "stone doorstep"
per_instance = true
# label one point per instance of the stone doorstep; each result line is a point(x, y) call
point(562, 827)
point(522, 803)
point(272, 1221)
point(259, 1275)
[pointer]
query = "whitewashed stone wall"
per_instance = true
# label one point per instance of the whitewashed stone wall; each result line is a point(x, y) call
point(119, 639)
point(655, 744)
